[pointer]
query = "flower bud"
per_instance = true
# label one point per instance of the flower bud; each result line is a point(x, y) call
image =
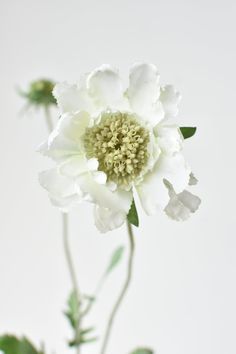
point(40, 93)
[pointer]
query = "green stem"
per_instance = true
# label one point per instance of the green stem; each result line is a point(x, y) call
point(48, 119)
point(66, 245)
point(72, 273)
point(123, 290)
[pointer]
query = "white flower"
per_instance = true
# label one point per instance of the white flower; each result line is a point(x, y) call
point(110, 141)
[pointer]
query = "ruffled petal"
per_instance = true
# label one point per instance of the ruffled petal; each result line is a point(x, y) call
point(63, 191)
point(107, 220)
point(105, 87)
point(57, 184)
point(170, 140)
point(181, 205)
point(144, 92)
point(65, 140)
point(72, 98)
point(170, 99)
point(152, 191)
point(102, 195)
point(74, 166)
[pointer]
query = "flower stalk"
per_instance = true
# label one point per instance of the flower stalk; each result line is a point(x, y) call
point(123, 290)
point(48, 119)
point(72, 275)
point(66, 244)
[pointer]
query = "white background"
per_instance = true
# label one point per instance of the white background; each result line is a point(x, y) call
point(182, 299)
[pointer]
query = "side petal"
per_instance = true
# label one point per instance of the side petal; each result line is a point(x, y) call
point(65, 140)
point(144, 92)
point(170, 140)
point(57, 184)
point(181, 205)
point(105, 87)
point(102, 195)
point(170, 99)
point(72, 98)
point(107, 220)
point(62, 191)
point(152, 191)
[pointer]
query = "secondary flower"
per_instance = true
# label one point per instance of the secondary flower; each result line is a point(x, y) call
point(40, 93)
point(111, 141)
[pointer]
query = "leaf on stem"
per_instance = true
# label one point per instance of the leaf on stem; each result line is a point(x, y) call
point(115, 259)
point(133, 215)
point(83, 338)
point(72, 312)
point(188, 132)
point(10, 344)
point(142, 351)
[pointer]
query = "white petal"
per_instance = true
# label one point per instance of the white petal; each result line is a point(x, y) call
point(100, 177)
point(102, 195)
point(73, 166)
point(57, 185)
point(144, 92)
point(175, 170)
point(181, 205)
point(170, 140)
point(72, 98)
point(170, 99)
point(105, 87)
point(107, 220)
point(152, 191)
point(92, 164)
point(192, 180)
point(65, 203)
point(65, 140)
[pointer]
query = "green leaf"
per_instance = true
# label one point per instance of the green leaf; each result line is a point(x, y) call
point(12, 345)
point(83, 338)
point(133, 215)
point(72, 312)
point(188, 132)
point(115, 259)
point(143, 351)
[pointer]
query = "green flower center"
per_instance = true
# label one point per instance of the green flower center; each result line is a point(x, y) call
point(120, 144)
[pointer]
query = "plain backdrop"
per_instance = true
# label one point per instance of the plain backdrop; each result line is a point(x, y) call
point(182, 298)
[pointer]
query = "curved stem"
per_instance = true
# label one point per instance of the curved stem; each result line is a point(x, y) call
point(48, 119)
point(72, 273)
point(123, 290)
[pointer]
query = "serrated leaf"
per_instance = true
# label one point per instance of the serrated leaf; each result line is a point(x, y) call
point(143, 351)
point(115, 259)
point(133, 215)
point(188, 132)
point(12, 345)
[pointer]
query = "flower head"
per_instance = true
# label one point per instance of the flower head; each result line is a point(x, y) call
point(40, 93)
point(111, 141)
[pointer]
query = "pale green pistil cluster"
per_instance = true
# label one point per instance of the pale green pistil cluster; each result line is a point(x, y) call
point(119, 143)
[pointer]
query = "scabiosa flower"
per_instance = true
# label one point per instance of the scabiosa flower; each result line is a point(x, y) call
point(40, 93)
point(110, 141)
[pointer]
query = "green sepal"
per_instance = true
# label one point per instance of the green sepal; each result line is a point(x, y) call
point(188, 132)
point(133, 215)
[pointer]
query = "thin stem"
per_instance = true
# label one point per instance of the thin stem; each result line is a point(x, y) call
point(67, 246)
point(48, 119)
point(72, 272)
point(123, 290)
